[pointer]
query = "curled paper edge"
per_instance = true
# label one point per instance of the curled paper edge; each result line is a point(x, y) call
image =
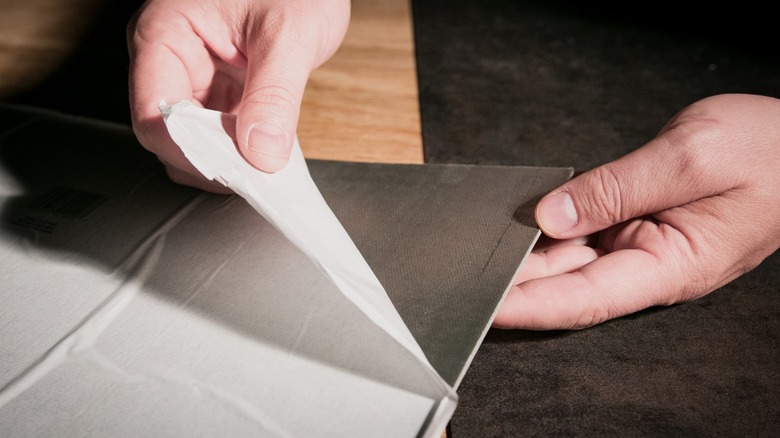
point(291, 202)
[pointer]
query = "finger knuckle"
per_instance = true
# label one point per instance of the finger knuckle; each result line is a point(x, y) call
point(693, 139)
point(178, 176)
point(690, 148)
point(605, 200)
point(274, 100)
point(591, 317)
point(279, 26)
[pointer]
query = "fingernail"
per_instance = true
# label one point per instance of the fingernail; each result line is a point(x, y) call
point(268, 143)
point(556, 214)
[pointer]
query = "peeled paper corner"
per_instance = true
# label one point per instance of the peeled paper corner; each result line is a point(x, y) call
point(290, 200)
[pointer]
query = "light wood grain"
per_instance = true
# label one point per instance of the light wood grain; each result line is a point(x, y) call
point(362, 105)
point(36, 36)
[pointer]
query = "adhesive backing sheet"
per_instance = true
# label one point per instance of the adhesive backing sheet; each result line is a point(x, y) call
point(330, 299)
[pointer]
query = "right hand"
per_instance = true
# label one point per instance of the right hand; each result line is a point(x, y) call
point(251, 58)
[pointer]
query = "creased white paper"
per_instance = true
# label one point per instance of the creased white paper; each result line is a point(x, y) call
point(290, 200)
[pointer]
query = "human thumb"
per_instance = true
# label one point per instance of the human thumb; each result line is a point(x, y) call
point(649, 180)
point(268, 115)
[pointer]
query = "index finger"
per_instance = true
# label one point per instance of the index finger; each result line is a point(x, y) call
point(162, 62)
point(614, 285)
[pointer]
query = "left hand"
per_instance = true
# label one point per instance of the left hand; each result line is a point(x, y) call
point(690, 211)
point(251, 58)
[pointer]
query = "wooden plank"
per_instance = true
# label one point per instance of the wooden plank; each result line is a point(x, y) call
point(36, 36)
point(362, 105)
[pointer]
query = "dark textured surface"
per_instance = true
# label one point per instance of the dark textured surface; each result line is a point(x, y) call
point(532, 83)
point(92, 80)
point(707, 368)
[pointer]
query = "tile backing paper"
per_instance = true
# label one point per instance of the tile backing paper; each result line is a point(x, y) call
point(290, 201)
